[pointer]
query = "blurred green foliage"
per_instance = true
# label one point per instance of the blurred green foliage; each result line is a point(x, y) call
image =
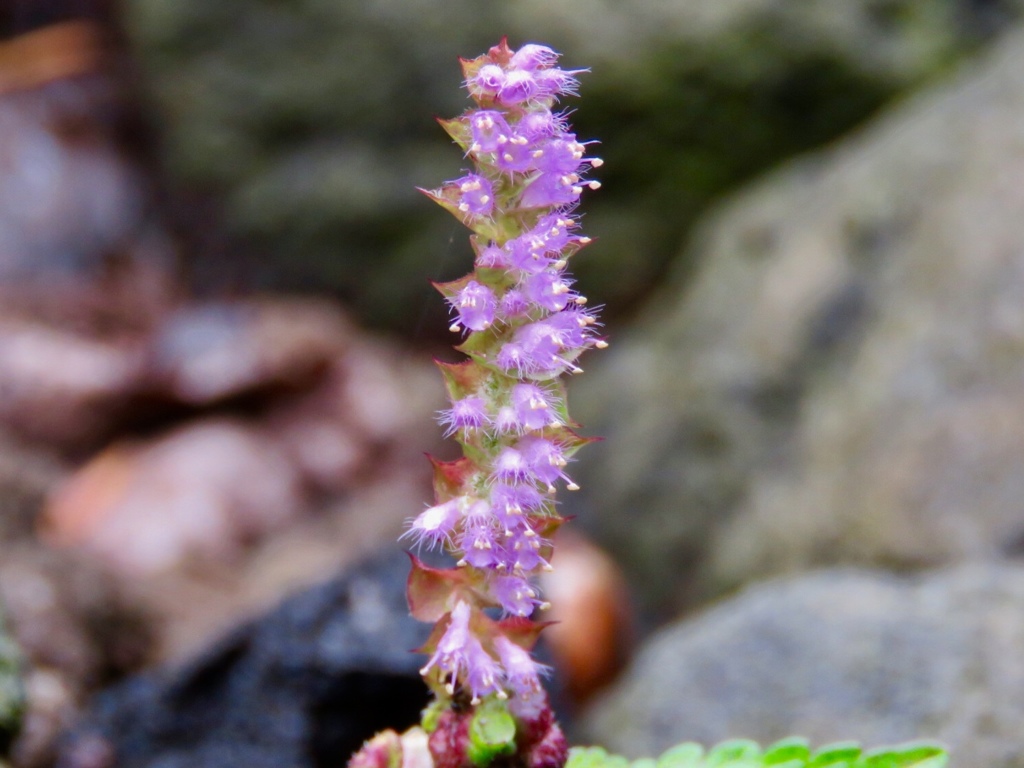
point(309, 122)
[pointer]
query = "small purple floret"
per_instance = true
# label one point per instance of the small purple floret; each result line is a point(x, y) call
point(490, 78)
point(519, 86)
point(533, 406)
point(514, 595)
point(548, 290)
point(476, 305)
point(467, 413)
point(489, 131)
point(476, 195)
point(533, 56)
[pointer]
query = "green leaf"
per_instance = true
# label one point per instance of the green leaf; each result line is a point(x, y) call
point(787, 753)
point(492, 732)
point(782, 752)
point(839, 754)
point(736, 751)
point(594, 757)
point(912, 754)
point(586, 757)
point(685, 755)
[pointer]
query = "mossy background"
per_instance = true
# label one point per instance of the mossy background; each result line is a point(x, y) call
point(296, 131)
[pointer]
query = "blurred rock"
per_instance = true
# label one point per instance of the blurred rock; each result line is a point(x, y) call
point(81, 245)
point(313, 122)
point(841, 381)
point(373, 406)
point(836, 655)
point(205, 354)
point(60, 388)
point(303, 686)
point(201, 491)
point(85, 264)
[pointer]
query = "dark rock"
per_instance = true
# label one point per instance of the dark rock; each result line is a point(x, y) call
point(840, 380)
point(303, 686)
point(836, 655)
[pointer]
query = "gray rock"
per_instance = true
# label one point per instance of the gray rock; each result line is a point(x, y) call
point(837, 655)
point(312, 120)
point(840, 382)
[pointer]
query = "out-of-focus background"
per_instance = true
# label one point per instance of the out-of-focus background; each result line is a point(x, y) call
point(216, 389)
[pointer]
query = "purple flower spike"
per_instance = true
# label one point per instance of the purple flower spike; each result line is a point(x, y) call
point(526, 326)
point(476, 305)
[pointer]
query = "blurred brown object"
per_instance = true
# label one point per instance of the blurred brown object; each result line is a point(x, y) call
point(201, 491)
point(51, 53)
point(593, 628)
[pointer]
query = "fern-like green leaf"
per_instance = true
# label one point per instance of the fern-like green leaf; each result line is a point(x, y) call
point(787, 753)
